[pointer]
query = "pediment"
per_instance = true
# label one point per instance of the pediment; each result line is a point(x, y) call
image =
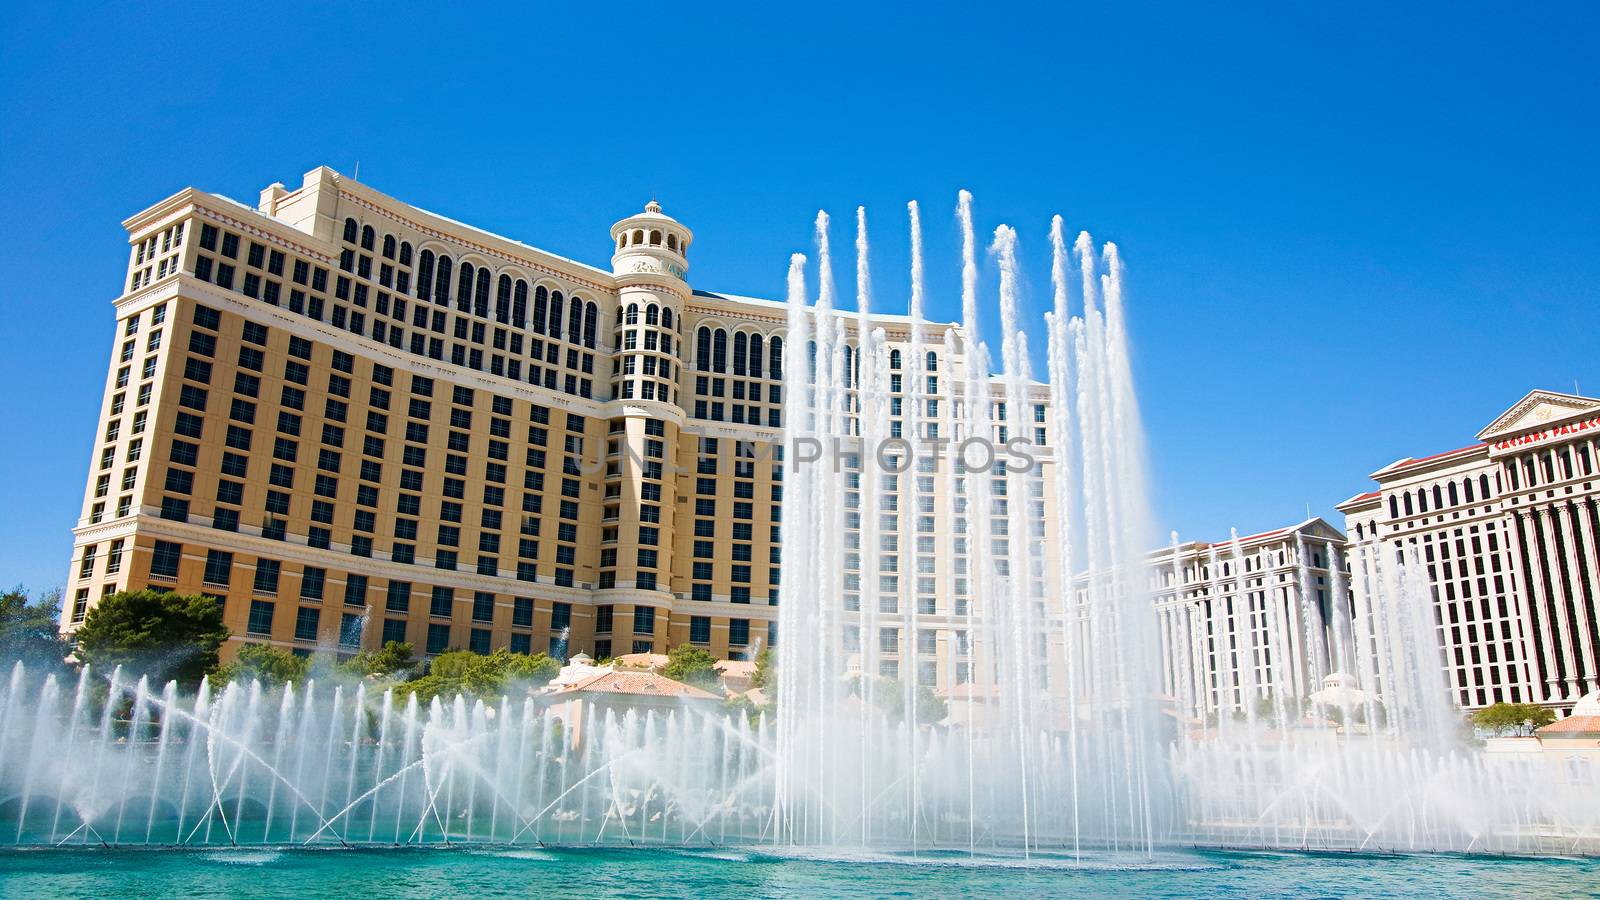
point(1538, 412)
point(1319, 527)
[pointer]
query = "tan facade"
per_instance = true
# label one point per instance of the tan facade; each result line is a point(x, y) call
point(356, 421)
point(1507, 530)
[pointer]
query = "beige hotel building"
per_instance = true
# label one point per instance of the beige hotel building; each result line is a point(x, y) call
point(1508, 529)
point(355, 421)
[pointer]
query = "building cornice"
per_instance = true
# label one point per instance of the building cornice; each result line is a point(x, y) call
point(497, 247)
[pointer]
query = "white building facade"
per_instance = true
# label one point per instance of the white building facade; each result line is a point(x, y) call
point(1251, 622)
point(1506, 529)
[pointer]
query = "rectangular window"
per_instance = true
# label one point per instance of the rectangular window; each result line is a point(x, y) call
point(522, 612)
point(399, 597)
point(267, 576)
point(260, 621)
point(219, 568)
point(438, 637)
point(644, 620)
point(700, 629)
point(164, 561)
point(312, 583)
point(306, 620)
point(482, 606)
point(355, 591)
point(350, 630)
point(394, 630)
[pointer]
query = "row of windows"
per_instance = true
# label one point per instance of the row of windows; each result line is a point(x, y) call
point(1438, 497)
point(1545, 467)
point(711, 353)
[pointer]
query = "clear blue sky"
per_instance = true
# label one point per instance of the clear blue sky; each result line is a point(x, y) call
point(1354, 232)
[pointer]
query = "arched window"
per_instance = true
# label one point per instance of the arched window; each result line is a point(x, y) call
point(741, 345)
point(1483, 486)
point(702, 350)
point(1394, 507)
point(388, 246)
point(1438, 498)
point(933, 361)
point(575, 321)
point(369, 238)
point(350, 230)
point(755, 356)
point(425, 276)
point(666, 317)
point(633, 314)
point(719, 351)
point(622, 241)
point(464, 288)
point(441, 282)
point(652, 315)
point(553, 325)
point(655, 238)
point(1455, 497)
point(519, 304)
point(894, 359)
point(672, 242)
point(619, 316)
point(1466, 487)
point(405, 253)
point(591, 323)
point(775, 357)
point(1407, 501)
point(540, 297)
point(480, 298)
point(502, 299)
point(638, 237)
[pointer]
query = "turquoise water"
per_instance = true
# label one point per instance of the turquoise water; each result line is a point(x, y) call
point(375, 874)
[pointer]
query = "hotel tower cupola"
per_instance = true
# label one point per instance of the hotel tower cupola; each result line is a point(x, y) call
point(651, 243)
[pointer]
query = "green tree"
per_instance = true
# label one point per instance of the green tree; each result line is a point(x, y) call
point(393, 658)
point(766, 676)
point(259, 662)
point(160, 634)
point(1512, 717)
point(692, 665)
point(472, 674)
point(30, 631)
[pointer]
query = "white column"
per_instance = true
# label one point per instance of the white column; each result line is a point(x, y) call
point(1558, 600)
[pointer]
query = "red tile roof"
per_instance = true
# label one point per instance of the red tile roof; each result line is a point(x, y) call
point(1422, 459)
point(1572, 726)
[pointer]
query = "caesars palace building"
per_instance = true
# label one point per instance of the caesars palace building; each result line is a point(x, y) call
point(1508, 530)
